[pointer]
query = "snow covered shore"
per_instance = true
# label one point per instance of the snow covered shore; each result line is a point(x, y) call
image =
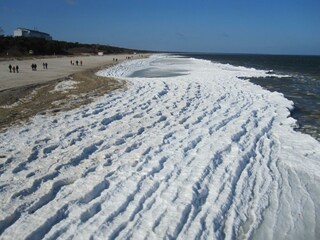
point(188, 151)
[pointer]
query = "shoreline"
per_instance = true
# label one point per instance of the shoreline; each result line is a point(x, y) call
point(20, 103)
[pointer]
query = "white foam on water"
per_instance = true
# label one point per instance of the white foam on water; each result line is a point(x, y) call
point(188, 151)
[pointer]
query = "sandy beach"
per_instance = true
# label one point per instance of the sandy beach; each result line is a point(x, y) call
point(29, 92)
point(58, 67)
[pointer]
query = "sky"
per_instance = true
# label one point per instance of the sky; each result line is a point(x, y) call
point(213, 26)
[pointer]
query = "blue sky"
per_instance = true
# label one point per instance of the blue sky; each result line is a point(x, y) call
point(225, 26)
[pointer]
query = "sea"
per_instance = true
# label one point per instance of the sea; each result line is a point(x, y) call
point(301, 82)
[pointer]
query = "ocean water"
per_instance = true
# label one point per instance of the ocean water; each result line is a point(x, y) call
point(301, 84)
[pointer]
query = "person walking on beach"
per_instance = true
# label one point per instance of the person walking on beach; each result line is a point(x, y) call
point(34, 67)
point(17, 69)
point(10, 68)
point(14, 69)
point(80, 62)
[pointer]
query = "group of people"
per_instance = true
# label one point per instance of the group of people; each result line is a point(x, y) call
point(14, 69)
point(34, 67)
point(77, 62)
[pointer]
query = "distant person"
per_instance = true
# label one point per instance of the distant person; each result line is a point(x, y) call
point(43, 65)
point(46, 65)
point(80, 62)
point(14, 69)
point(17, 69)
point(10, 68)
point(77, 62)
point(34, 66)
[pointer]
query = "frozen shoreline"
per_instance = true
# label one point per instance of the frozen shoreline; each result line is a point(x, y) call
point(193, 155)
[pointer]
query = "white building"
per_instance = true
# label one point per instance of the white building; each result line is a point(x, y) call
point(24, 32)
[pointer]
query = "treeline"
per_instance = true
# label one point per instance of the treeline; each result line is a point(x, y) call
point(23, 46)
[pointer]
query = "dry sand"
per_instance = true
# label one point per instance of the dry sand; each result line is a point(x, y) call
point(58, 67)
point(28, 92)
